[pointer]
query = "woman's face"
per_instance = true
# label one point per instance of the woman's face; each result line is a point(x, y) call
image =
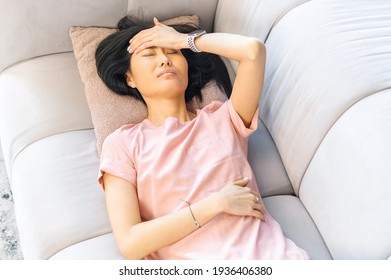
point(158, 73)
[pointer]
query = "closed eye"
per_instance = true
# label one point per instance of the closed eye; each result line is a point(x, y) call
point(172, 52)
point(149, 52)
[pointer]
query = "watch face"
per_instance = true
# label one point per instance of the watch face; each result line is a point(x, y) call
point(197, 33)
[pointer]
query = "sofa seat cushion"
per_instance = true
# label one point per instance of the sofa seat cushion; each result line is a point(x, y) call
point(98, 248)
point(297, 224)
point(40, 97)
point(57, 198)
point(287, 210)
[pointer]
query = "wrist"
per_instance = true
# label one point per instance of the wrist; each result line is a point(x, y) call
point(183, 41)
point(192, 37)
point(215, 203)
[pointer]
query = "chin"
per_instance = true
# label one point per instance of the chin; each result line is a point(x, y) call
point(175, 89)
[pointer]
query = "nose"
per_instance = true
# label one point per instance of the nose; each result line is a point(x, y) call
point(164, 60)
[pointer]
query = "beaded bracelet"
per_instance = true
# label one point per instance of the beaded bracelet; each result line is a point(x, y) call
point(191, 212)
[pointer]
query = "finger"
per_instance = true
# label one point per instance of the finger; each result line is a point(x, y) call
point(142, 36)
point(242, 182)
point(258, 214)
point(158, 23)
point(256, 194)
point(155, 21)
point(143, 46)
point(259, 208)
point(141, 43)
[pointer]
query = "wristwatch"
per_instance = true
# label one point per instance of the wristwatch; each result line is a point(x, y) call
point(190, 39)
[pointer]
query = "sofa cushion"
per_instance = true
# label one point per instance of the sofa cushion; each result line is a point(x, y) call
point(40, 97)
point(323, 57)
point(147, 9)
point(31, 29)
point(251, 18)
point(57, 198)
point(257, 18)
point(102, 247)
point(297, 224)
point(266, 164)
point(347, 186)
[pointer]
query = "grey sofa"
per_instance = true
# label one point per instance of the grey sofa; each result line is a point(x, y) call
point(321, 155)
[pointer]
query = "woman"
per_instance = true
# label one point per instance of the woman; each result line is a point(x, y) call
point(178, 185)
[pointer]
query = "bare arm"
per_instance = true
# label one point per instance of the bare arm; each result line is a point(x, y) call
point(249, 52)
point(137, 239)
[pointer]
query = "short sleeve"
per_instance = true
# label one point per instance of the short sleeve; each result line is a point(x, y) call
point(241, 129)
point(116, 158)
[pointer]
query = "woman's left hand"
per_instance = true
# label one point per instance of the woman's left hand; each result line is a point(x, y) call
point(160, 35)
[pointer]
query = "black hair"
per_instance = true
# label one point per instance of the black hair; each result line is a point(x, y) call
point(113, 61)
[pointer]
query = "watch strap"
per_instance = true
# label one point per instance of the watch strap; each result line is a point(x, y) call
point(191, 37)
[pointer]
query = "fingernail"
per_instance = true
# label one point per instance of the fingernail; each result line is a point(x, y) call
point(246, 178)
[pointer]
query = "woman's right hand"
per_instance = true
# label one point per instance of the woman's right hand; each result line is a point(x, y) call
point(238, 199)
point(160, 35)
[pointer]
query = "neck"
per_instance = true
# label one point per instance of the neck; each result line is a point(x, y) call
point(159, 110)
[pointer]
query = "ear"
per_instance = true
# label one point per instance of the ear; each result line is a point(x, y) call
point(129, 79)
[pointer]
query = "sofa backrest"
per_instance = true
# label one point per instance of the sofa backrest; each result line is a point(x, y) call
point(35, 28)
point(327, 104)
point(254, 18)
point(328, 107)
point(205, 9)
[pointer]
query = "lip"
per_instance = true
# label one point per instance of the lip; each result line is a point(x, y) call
point(166, 73)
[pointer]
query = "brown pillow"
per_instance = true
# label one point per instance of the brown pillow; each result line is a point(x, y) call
point(110, 111)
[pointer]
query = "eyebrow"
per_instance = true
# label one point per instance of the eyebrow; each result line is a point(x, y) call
point(149, 48)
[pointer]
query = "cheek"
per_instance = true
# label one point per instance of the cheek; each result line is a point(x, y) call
point(140, 71)
point(184, 69)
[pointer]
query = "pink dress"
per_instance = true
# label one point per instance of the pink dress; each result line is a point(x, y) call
point(188, 161)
